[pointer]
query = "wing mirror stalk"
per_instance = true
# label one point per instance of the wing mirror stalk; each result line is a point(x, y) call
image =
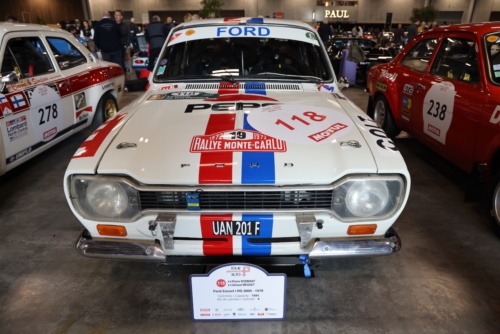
point(343, 82)
point(8, 79)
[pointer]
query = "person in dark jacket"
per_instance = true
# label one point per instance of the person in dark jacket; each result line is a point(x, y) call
point(324, 31)
point(156, 34)
point(107, 39)
point(124, 32)
point(413, 30)
point(134, 30)
point(169, 23)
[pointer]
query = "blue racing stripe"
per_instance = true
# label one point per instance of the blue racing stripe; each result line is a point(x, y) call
point(255, 88)
point(263, 172)
point(266, 231)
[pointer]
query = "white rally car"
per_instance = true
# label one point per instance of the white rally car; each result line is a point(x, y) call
point(242, 146)
point(50, 87)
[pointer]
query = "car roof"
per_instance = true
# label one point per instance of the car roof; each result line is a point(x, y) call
point(478, 28)
point(239, 20)
point(10, 27)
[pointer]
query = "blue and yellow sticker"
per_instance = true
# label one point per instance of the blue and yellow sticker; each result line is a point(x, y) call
point(381, 86)
point(406, 102)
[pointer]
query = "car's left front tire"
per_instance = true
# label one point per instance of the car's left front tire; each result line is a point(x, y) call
point(495, 204)
point(382, 115)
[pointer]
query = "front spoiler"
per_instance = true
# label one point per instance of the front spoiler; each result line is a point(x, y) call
point(88, 247)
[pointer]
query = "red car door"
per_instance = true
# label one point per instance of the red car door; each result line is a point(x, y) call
point(453, 99)
point(411, 86)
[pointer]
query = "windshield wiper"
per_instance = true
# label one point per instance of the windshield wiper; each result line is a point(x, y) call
point(315, 80)
point(228, 78)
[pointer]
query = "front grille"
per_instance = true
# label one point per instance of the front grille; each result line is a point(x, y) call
point(239, 200)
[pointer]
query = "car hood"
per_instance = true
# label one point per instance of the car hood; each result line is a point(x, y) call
point(226, 137)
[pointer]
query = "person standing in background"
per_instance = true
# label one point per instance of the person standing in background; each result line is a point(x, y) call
point(107, 39)
point(88, 34)
point(434, 25)
point(156, 34)
point(360, 32)
point(187, 17)
point(354, 32)
point(324, 31)
point(169, 23)
point(413, 30)
point(399, 34)
point(421, 27)
point(134, 30)
point(124, 32)
point(195, 17)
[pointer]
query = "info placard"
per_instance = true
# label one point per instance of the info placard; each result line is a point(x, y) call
point(238, 291)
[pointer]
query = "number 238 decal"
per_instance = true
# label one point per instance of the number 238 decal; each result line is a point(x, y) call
point(438, 110)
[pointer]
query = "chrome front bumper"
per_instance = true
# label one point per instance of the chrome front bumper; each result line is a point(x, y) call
point(86, 246)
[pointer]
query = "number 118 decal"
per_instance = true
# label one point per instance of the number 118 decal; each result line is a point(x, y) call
point(301, 124)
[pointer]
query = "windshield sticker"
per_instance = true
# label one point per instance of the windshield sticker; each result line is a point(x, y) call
point(228, 31)
point(300, 123)
point(236, 141)
point(497, 74)
point(161, 70)
point(492, 39)
point(164, 62)
point(385, 145)
point(183, 96)
point(438, 110)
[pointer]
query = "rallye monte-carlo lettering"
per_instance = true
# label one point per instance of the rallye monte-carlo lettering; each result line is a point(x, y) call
point(265, 162)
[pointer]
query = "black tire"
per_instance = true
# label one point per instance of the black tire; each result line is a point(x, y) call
point(382, 115)
point(100, 113)
point(494, 206)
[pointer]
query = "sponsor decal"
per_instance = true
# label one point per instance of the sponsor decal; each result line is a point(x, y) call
point(221, 283)
point(205, 314)
point(226, 314)
point(236, 141)
point(80, 100)
point(217, 314)
point(50, 133)
point(183, 96)
point(322, 135)
point(241, 270)
point(83, 116)
point(492, 39)
point(167, 87)
point(204, 310)
point(17, 128)
point(406, 102)
point(312, 36)
point(260, 314)
point(80, 113)
point(381, 86)
point(29, 92)
point(389, 76)
point(22, 153)
point(408, 89)
point(174, 36)
point(495, 116)
point(405, 118)
point(385, 145)
point(326, 87)
point(434, 130)
point(190, 32)
point(108, 85)
point(406, 112)
point(18, 101)
point(243, 31)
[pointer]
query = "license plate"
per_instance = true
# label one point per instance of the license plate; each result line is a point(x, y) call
point(221, 227)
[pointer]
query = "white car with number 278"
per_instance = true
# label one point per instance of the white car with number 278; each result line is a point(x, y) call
point(51, 87)
point(242, 146)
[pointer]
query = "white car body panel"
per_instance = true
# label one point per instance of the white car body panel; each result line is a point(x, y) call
point(90, 81)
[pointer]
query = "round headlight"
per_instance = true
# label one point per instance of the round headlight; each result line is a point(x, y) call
point(106, 198)
point(367, 198)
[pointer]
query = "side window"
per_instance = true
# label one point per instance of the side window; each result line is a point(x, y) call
point(67, 55)
point(456, 60)
point(27, 57)
point(419, 56)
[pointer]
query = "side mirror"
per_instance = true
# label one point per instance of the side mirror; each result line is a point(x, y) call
point(343, 82)
point(10, 78)
point(92, 58)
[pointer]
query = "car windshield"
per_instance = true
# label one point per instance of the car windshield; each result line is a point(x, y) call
point(243, 52)
point(492, 48)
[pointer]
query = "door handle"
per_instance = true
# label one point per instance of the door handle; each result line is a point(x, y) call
point(65, 83)
point(419, 86)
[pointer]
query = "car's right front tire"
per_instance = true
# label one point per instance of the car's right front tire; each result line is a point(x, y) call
point(106, 109)
point(382, 115)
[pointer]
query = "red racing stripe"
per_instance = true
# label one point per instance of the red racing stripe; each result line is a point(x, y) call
point(217, 167)
point(229, 88)
point(91, 145)
point(215, 247)
point(78, 113)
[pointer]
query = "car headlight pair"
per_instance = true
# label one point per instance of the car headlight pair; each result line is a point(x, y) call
point(370, 197)
point(101, 198)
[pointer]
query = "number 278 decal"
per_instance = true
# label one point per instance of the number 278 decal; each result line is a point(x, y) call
point(51, 110)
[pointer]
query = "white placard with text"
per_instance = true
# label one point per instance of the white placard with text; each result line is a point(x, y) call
point(238, 291)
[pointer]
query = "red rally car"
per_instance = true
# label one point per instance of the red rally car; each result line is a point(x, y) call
point(444, 89)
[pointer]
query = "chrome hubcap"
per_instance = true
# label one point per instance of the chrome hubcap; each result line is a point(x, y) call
point(110, 109)
point(379, 113)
